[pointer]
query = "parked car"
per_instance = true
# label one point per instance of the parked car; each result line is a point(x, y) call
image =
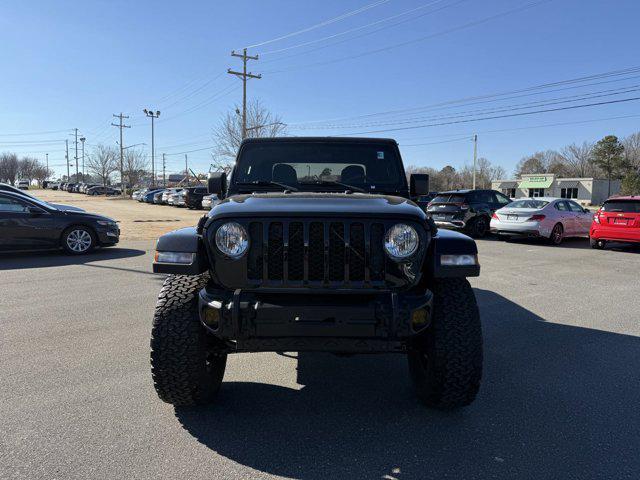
point(4, 187)
point(466, 210)
point(210, 201)
point(157, 197)
point(167, 193)
point(86, 186)
point(137, 194)
point(550, 218)
point(147, 197)
point(69, 187)
point(23, 184)
point(423, 200)
point(177, 199)
point(27, 223)
point(193, 197)
point(617, 220)
point(101, 190)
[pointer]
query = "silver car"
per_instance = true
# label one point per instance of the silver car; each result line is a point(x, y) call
point(210, 201)
point(167, 193)
point(551, 218)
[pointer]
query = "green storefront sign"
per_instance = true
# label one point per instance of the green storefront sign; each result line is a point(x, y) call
point(536, 182)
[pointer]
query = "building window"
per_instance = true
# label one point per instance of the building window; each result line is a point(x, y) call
point(536, 192)
point(569, 192)
point(509, 192)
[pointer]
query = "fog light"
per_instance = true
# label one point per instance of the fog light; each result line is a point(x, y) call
point(211, 317)
point(458, 260)
point(419, 319)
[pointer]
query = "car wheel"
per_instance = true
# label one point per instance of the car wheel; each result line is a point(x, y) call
point(445, 362)
point(187, 364)
point(479, 227)
point(77, 240)
point(557, 234)
point(597, 244)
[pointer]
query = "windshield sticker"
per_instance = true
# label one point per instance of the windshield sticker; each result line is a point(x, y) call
point(380, 155)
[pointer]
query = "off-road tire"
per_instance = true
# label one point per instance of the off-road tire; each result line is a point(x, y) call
point(187, 364)
point(597, 244)
point(445, 363)
point(478, 227)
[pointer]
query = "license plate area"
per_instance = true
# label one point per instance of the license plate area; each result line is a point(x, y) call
point(512, 218)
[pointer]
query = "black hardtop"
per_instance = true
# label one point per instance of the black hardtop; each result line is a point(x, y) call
point(319, 140)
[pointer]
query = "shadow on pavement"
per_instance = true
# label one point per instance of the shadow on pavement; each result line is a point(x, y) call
point(557, 402)
point(12, 261)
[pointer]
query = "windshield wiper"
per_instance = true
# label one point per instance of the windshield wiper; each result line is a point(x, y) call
point(334, 182)
point(269, 182)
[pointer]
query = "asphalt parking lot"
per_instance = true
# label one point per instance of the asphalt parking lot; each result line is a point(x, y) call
point(559, 398)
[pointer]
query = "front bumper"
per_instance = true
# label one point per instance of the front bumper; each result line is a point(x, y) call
point(108, 236)
point(253, 322)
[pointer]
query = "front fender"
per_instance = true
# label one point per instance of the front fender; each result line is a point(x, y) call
point(184, 240)
point(449, 242)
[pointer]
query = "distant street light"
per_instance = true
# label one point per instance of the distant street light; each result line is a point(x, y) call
point(153, 115)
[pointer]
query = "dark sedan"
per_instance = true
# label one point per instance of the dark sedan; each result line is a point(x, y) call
point(148, 197)
point(99, 190)
point(26, 223)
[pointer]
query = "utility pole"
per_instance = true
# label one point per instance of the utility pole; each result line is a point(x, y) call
point(164, 172)
point(475, 158)
point(186, 168)
point(121, 125)
point(82, 139)
point(66, 156)
point(47, 164)
point(76, 157)
point(244, 76)
point(153, 115)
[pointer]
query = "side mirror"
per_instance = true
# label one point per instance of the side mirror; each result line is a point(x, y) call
point(217, 183)
point(418, 184)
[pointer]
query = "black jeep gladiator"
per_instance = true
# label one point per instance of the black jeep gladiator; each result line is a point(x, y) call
point(317, 246)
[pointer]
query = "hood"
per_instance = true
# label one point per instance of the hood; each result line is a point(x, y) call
point(316, 204)
point(88, 216)
point(66, 208)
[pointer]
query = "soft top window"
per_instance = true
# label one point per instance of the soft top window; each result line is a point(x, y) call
point(628, 206)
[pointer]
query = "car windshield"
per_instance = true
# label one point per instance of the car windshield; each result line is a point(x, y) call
point(448, 198)
point(537, 204)
point(627, 206)
point(306, 166)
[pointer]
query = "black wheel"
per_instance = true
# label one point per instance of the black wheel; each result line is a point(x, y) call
point(557, 234)
point(597, 244)
point(187, 364)
point(446, 362)
point(479, 227)
point(78, 240)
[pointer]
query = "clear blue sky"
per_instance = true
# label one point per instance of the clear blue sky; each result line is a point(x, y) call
point(73, 64)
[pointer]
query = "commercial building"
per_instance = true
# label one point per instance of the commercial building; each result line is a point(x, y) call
point(586, 191)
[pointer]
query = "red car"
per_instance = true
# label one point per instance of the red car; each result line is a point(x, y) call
point(617, 220)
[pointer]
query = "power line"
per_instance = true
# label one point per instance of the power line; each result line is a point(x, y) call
point(321, 24)
point(34, 133)
point(520, 114)
point(362, 27)
point(420, 39)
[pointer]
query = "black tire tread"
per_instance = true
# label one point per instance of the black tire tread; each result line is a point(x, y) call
point(454, 347)
point(180, 345)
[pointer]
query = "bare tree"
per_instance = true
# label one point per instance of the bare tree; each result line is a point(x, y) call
point(228, 134)
point(579, 159)
point(136, 166)
point(28, 167)
point(102, 162)
point(41, 173)
point(9, 167)
point(632, 150)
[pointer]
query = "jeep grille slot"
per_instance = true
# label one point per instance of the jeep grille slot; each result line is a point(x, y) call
point(316, 253)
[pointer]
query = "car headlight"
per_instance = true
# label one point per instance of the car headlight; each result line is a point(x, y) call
point(107, 223)
point(401, 241)
point(232, 239)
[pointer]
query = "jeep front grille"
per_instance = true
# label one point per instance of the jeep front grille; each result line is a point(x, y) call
point(292, 252)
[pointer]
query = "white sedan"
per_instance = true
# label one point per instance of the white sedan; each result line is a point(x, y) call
point(550, 218)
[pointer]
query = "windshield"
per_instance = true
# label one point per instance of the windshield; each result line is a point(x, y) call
point(319, 166)
point(537, 204)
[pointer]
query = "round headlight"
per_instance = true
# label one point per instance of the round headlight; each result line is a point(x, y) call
point(232, 239)
point(401, 241)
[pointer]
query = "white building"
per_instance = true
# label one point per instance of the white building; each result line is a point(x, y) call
point(586, 191)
